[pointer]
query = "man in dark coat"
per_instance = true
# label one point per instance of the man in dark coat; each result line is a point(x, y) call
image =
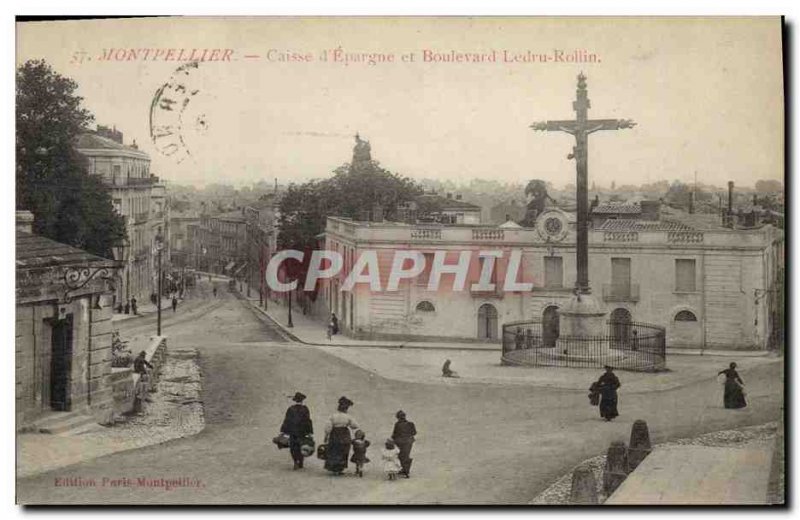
point(403, 437)
point(607, 385)
point(297, 425)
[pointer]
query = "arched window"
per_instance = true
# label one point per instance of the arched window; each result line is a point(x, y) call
point(685, 316)
point(425, 307)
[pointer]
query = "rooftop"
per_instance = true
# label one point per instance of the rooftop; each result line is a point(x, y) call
point(614, 224)
point(34, 252)
point(621, 208)
point(447, 204)
point(92, 141)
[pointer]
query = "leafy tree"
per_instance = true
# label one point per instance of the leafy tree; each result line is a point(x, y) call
point(537, 191)
point(304, 208)
point(69, 205)
point(769, 186)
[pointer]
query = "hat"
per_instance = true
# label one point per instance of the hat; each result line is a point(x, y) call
point(608, 367)
point(343, 401)
point(298, 397)
point(400, 415)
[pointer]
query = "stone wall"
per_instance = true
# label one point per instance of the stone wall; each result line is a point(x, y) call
point(123, 380)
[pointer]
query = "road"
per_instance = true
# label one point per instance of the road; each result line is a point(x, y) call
point(477, 443)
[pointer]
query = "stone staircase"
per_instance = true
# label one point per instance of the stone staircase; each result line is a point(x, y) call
point(63, 423)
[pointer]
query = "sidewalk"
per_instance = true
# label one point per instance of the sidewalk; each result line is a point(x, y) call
point(144, 309)
point(313, 332)
point(698, 475)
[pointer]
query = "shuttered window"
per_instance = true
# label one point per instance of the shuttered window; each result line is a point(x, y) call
point(553, 272)
point(685, 276)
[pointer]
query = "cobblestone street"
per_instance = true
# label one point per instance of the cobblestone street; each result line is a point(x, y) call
point(478, 443)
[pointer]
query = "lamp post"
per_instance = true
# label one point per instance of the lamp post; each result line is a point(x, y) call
point(159, 248)
point(290, 324)
point(122, 250)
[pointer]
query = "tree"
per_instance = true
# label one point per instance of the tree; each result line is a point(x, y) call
point(537, 190)
point(68, 204)
point(769, 186)
point(305, 208)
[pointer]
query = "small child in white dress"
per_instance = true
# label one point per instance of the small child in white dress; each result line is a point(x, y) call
point(391, 460)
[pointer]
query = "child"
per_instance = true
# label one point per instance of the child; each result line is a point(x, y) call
point(359, 458)
point(391, 460)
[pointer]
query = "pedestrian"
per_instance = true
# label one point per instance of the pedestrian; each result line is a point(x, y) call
point(447, 371)
point(127, 307)
point(359, 458)
point(607, 386)
point(334, 323)
point(215, 292)
point(391, 459)
point(337, 437)
point(297, 425)
point(329, 330)
point(403, 437)
point(519, 339)
point(154, 298)
point(174, 303)
point(134, 307)
point(140, 393)
point(734, 388)
point(140, 364)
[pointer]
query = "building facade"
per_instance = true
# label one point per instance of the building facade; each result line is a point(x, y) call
point(140, 197)
point(710, 288)
point(63, 330)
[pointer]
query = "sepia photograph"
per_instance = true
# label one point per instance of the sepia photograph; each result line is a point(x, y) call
point(429, 261)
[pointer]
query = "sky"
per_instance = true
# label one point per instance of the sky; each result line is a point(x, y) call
point(706, 93)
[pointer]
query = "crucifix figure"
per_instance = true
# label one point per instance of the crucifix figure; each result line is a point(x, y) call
point(581, 127)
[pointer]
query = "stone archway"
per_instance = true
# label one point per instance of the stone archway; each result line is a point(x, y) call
point(487, 322)
point(550, 326)
point(620, 327)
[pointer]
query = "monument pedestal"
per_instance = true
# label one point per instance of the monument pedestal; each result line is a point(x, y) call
point(582, 325)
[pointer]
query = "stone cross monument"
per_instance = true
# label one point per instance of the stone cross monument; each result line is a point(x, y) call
point(583, 316)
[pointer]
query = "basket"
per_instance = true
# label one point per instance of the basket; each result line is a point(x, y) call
point(281, 441)
point(322, 451)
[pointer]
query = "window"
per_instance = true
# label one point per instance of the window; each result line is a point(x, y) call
point(425, 307)
point(685, 278)
point(553, 272)
point(425, 275)
point(621, 272)
point(685, 316)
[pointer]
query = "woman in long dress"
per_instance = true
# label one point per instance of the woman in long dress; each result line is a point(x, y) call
point(337, 437)
point(607, 386)
point(734, 395)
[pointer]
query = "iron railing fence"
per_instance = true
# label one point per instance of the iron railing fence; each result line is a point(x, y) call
point(624, 345)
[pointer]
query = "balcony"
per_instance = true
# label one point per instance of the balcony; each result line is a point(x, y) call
point(488, 234)
point(620, 292)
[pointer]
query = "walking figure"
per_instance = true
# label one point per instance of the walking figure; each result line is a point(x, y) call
point(329, 331)
point(403, 436)
point(734, 388)
point(607, 387)
point(334, 323)
point(297, 425)
point(391, 460)
point(174, 303)
point(215, 292)
point(134, 307)
point(446, 371)
point(359, 458)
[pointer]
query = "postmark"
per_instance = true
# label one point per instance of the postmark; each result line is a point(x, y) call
point(172, 115)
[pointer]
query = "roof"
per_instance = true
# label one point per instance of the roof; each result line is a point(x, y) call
point(90, 141)
point(34, 252)
point(446, 204)
point(510, 224)
point(614, 224)
point(619, 208)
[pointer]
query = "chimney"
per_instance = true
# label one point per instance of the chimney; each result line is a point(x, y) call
point(691, 202)
point(508, 217)
point(25, 221)
point(730, 197)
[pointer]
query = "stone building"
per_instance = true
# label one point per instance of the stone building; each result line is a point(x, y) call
point(711, 287)
point(63, 332)
point(140, 197)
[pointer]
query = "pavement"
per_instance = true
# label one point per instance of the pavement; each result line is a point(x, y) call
point(311, 330)
point(698, 475)
point(477, 443)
